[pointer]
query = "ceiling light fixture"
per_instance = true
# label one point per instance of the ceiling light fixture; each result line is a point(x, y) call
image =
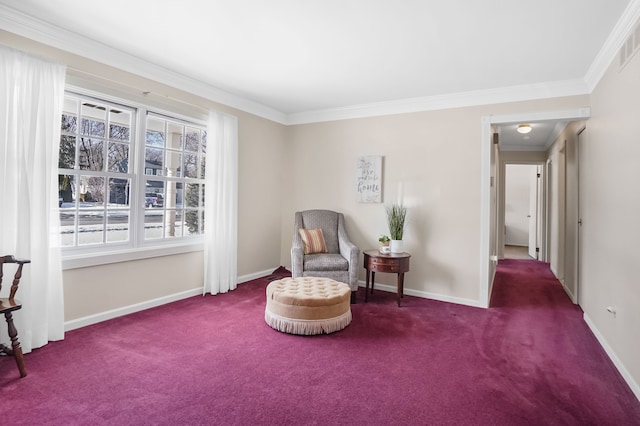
point(524, 128)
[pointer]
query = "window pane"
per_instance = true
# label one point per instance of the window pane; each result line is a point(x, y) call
point(93, 119)
point(118, 192)
point(91, 154)
point(190, 165)
point(67, 225)
point(155, 132)
point(67, 154)
point(92, 191)
point(92, 127)
point(153, 161)
point(154, 194)
point(120, 125)
point(118, 157)
point(69, 123)
point(65, 190)
point(192, 140)
point(153, 224)
point(70, 115)
point(192, 195)
point(194, 219)
point(175, 195)
point(90, 227)
point(174, 140)
point(118, 226)
point(174, 223)
point(174, 164)
point(203, 158)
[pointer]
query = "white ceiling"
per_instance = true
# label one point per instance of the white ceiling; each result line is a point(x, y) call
point(315, 57)
point(541, 137)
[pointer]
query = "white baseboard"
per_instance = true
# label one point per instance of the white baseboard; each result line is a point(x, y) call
point(614, 358)
point(125, 310)
point(137, 307)
point(427, 295)
point(572, 296)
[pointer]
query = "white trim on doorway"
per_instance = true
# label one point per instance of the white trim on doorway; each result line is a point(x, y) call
point(488, 258)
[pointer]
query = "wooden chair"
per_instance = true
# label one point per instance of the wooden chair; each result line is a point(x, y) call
point(7, 306)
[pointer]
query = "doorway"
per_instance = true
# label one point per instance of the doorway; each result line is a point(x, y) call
point(523, 194)
point(492, 173)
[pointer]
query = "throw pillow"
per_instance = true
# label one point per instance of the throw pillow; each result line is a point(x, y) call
point(313, 241)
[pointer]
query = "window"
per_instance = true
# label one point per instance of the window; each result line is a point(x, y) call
point(124, 188)
point(174, 156)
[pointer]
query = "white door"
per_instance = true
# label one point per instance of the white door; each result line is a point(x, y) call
point(533, 212)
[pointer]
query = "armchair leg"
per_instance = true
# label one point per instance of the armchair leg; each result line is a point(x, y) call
point(15, 344)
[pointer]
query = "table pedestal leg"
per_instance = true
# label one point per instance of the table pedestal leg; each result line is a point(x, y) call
point(400, 287)
point(366, 289)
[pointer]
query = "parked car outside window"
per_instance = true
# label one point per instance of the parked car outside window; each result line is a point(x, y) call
point(153, 200)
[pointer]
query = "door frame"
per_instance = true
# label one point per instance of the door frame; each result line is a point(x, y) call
point(488, 171)
point(541, 203)
point(581, 138)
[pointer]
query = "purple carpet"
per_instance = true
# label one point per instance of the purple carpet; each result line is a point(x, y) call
point(529, 359)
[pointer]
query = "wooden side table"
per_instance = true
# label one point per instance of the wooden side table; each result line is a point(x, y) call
point(396, 263)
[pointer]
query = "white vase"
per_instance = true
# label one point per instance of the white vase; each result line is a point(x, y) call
point(396, 246)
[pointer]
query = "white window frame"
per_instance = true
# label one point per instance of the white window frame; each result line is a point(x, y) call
point(136, 248)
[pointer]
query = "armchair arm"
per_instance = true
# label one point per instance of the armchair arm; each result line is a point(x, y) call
point(297, 249)
point(349, 251)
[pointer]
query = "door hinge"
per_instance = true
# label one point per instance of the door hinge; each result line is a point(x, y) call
point(537, 249)
point(538, 174)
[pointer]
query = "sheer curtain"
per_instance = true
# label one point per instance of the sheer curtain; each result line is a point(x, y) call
point(221, 205)
point(31, 99)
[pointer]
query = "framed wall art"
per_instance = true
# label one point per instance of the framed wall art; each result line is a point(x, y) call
point(369, 179)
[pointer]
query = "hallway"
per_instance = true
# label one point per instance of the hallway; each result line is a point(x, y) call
point(552, 356)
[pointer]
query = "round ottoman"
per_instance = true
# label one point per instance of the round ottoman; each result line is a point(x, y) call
point(308, 305)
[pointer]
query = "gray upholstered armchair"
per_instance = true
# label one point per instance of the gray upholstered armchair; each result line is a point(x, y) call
point(339, 263)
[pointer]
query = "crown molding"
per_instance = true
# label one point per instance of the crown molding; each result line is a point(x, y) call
point(35, 29)
point(25, 25)
point(613, 44)
point(448, 101)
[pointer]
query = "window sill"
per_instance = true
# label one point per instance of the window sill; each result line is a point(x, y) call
point(77, 260)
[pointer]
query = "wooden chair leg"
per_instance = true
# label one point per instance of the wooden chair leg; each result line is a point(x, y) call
point(15, 344)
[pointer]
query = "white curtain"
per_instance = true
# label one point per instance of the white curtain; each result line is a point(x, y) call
point(221, 205)
point(31, 99)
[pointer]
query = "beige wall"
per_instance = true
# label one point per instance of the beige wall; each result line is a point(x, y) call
point(418, 151)
point(609, 154)
point(433, 159)
point(94, 290)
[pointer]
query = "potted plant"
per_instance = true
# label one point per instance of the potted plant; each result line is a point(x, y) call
point(383, 244)
point(396, 217)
